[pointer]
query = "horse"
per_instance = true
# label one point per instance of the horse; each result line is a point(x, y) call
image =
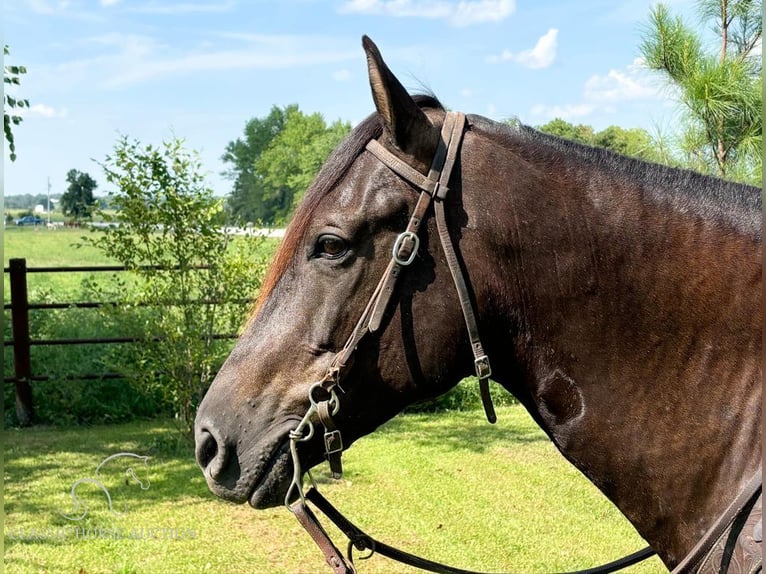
point(618, 300)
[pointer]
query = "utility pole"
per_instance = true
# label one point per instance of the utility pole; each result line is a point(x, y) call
point(49, 201)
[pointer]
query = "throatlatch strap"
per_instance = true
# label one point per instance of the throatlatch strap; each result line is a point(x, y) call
point(435, 187)
point(481, 361)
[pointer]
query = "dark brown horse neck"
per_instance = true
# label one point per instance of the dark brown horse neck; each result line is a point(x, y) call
point(636, 325)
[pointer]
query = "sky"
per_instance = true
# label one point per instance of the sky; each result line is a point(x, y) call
point(157, 69)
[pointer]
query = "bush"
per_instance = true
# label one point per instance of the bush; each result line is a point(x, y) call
point(194, 278)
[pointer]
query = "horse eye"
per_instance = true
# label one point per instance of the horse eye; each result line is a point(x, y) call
point(331, 247)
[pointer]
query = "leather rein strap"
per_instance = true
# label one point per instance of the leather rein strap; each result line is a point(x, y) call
point(363, 542)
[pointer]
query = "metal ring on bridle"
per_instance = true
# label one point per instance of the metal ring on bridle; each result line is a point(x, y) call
point(333, 400)
point(398, 245)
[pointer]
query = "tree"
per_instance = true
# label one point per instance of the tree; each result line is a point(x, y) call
point(293, 158)
point(276, 160)
point(719, 91)
point(199, 282)
point(12, 77)
point(78, 200)
point(246, 201)
point(634, 142)
point(562, 128)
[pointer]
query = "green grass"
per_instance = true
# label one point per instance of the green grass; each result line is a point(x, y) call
point(43, 247)
point(49, 247)
point(447, 486)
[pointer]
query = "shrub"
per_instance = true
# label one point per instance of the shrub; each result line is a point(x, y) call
point(189, 281)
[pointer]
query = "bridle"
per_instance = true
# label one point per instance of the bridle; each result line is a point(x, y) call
point(323, 396)
point(433, 189)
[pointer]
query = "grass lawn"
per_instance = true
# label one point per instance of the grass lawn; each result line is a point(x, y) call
point(448, 486)
point(43, 247)
point(61, 247)
point(50, 247)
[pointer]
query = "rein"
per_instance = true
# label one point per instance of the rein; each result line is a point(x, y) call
point(433, 189)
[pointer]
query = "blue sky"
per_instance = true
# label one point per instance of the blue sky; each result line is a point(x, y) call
point(151, 69)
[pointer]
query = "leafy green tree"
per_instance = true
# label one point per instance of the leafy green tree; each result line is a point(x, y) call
point(634, 142)
point(12, 77)
point(720, 89)
point(77, 201)
point(293, 158)
point(199, 282)
point(563, 129)
point(276, 160)
point(246, 201)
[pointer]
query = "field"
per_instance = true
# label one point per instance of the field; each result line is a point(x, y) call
point(448, 486)
point(44, 247)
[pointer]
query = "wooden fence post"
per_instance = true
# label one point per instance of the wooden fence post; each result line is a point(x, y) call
point(22, 360)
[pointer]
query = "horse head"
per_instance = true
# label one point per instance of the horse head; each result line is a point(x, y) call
point(336, 248)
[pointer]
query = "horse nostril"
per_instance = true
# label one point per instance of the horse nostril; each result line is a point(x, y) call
point(207, 448)
point(211, 454)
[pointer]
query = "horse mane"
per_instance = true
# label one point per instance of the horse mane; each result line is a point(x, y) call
point(333, 170)
point(710, 198)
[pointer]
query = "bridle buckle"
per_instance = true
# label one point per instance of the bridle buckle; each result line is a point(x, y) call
point(399, 243)
point(483, 368)
point(333, 442)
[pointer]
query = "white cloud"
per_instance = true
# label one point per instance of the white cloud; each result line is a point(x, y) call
point(109, 2)
point(468, 13)
point(47, 7)
point(633, 83)
point(177, 8)
point(542, 55)
point(565, 112)
point(42, 110)
point(603, 93)
point(463, 13)
point(466, 92)
point(116, 60)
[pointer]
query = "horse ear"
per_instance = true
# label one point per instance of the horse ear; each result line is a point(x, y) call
point(404, 122)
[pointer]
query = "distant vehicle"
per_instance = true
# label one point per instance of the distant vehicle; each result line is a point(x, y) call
point(30, 220)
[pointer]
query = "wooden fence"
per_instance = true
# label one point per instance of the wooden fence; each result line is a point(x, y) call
point(22, 342)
